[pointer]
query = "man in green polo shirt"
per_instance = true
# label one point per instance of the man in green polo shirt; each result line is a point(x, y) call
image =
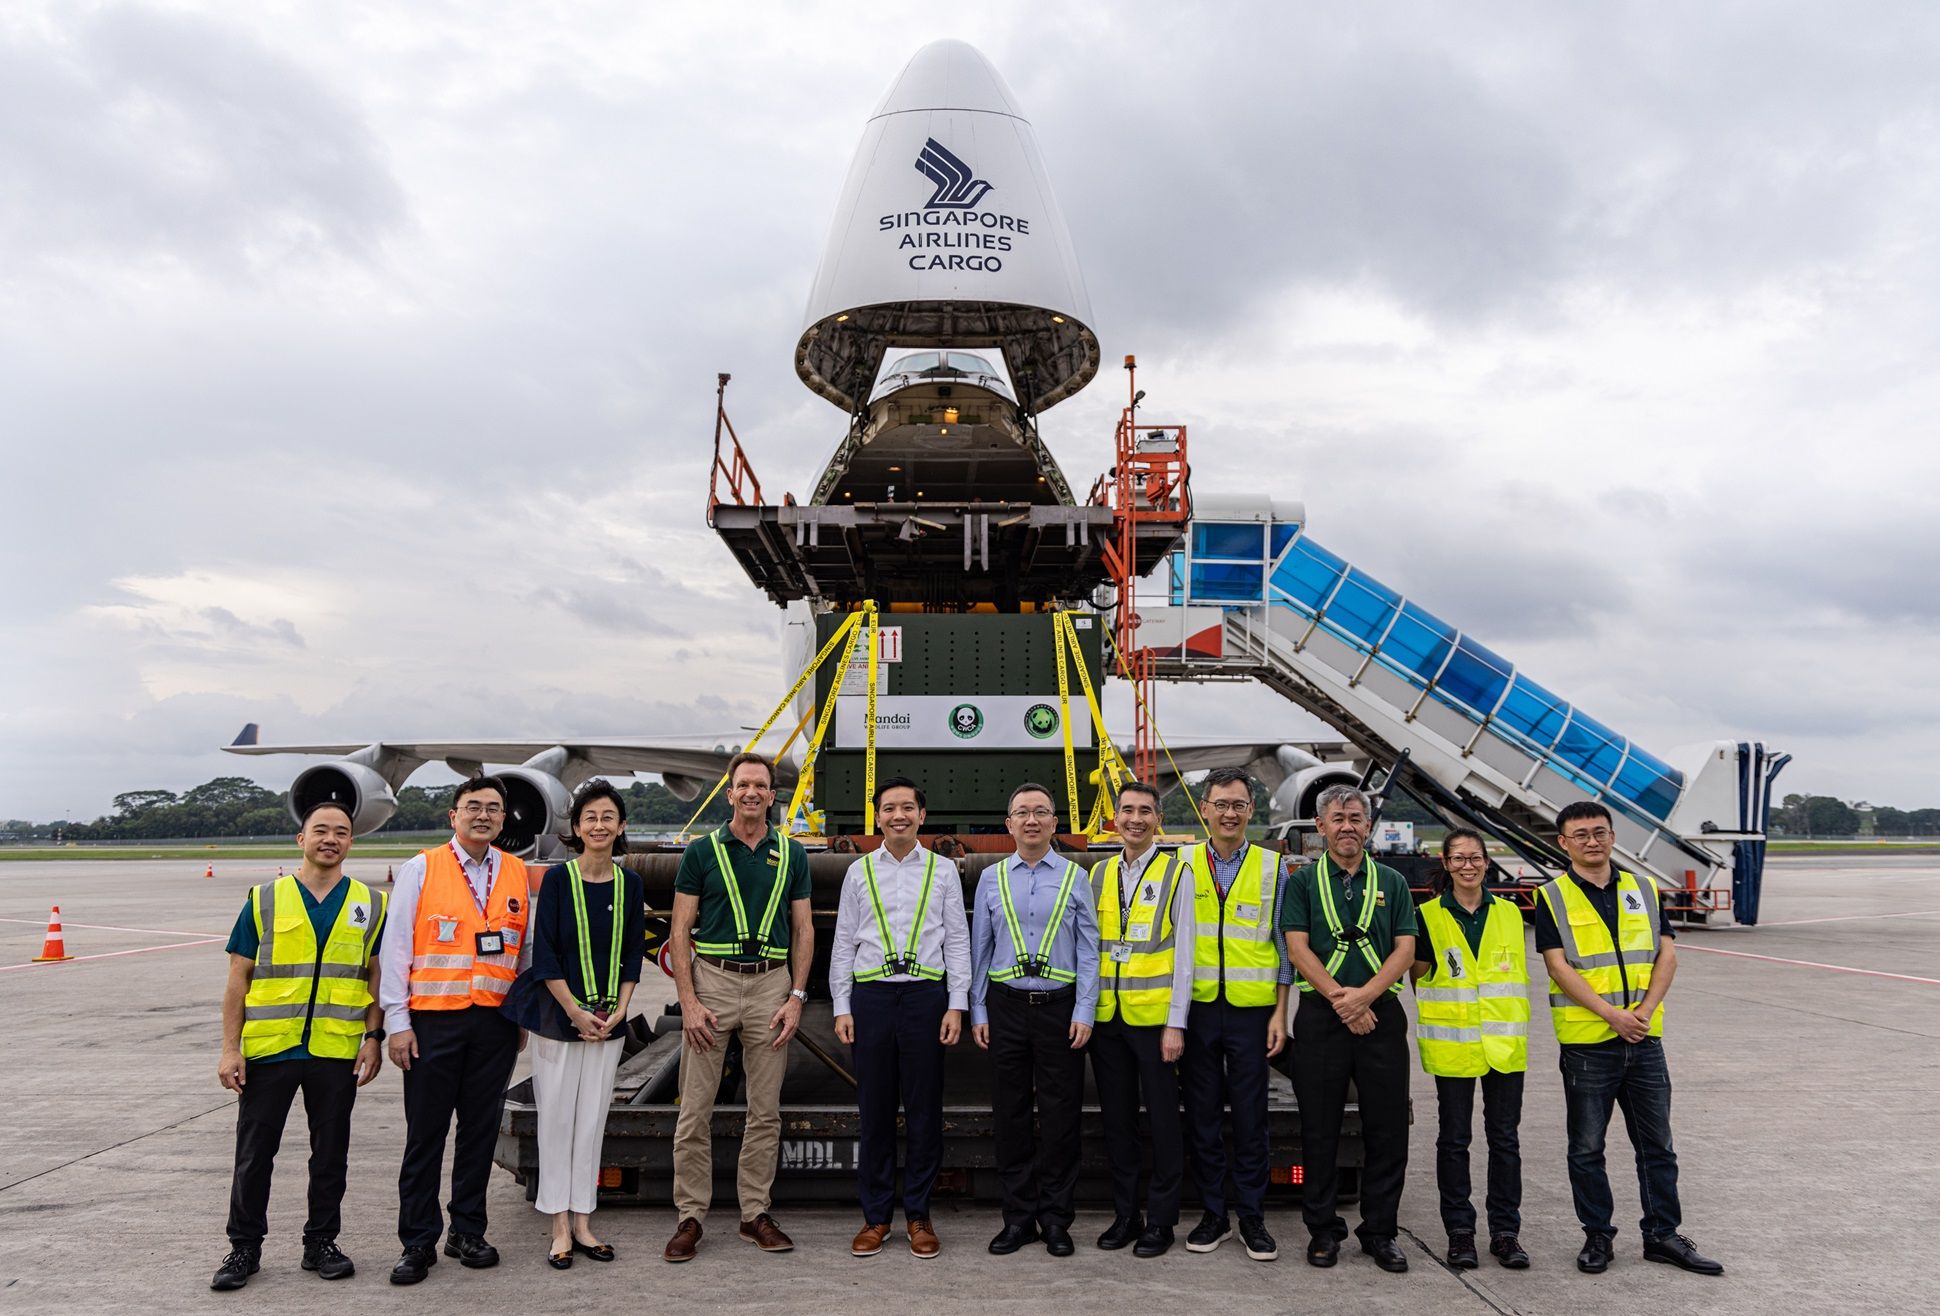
point(1350, 930)
point(741, 917)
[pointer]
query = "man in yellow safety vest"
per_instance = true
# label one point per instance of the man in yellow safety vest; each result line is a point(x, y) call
point(299, 1013)
point(1611, 959)
point(1237, 1021)
point(1145, 911)
point(1472, 1024)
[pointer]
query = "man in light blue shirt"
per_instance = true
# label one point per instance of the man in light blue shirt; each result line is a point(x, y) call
point(1033, 995)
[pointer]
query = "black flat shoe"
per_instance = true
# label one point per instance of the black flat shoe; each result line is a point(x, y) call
point(1507, 1249)
point(1387, 1255)
point(1012, 1237)
point(1323, 1250)
point(1594, 1259)
point(472, 1251)
point(560, 1260)
point(413, 1265)
point(1209, 1233)
point(1156, 1241)
point(597, 1251)
point(1124, 1232)
point(1677, 1250)
point(1057, 1240)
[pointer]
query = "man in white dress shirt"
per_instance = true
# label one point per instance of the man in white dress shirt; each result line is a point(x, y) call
point(899, 974)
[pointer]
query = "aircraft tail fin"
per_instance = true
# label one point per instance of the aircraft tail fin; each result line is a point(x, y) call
point(247, 736)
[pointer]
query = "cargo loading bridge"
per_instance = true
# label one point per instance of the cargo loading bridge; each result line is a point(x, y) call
point(1462, 729)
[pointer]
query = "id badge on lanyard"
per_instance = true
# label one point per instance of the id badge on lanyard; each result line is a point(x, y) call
point(1121, 952)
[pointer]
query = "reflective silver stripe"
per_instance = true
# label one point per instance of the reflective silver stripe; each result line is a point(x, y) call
point(497, 986)
point(441, 989)
point(266, 926)
point(349, 1013)
point(1505, 1028)
point(282, 971)
point(1561, 999)
point(1240, 932)
point(1142, 984)
point(1511, 990)
point(1451, 995)
point(1437, 1033)
point(498, 961)
point(296, 1011)
point(341, 971)
point(1266, 973)
point(441, 961)
point(1582, 962)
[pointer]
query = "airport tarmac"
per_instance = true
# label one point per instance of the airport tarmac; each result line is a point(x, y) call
point(1805, 1053)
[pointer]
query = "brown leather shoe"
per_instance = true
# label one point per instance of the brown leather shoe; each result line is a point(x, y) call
point(765, 1234)
point(869, 1241)
point(923, 1240)
point(685, 1242)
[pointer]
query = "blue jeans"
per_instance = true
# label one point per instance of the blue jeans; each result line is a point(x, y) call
point(1635, 1077)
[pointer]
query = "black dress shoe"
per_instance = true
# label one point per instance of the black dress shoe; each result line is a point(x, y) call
point(1506, 1249)
point(1012, 1237)
point(1461, 1252)
point(1124, 1232)
point(1156, 1241)
point(472, 1251)
point(597, 1251)
point(1259, 1244)
point(560, 1260)
point(327, 1260)
point(236, 1268)
point(1387, 1254)
point(1677, 1250)
point(1209, 1233)
point(1594, 1259)
point(413, 1265)
point(1057, 1240)
point(1323, 1250)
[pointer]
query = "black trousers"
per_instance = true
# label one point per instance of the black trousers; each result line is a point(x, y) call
point(329, 1090)
point(898, 1063)
point(465, 1059)
point(1125, 1061)
point(1325, 1056)
point(1501, 1113)
point(1226, 1066)
point(1035, 1071)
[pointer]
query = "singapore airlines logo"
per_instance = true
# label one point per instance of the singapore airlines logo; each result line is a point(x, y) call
point(956, 186)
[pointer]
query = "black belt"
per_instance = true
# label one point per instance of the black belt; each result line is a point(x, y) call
point(1023, 997)
point(744, 966)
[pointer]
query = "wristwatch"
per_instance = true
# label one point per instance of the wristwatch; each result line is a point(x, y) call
point(374, 1035)
point(800, 995)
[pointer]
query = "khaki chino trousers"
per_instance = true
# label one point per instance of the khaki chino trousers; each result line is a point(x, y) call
point(743, 1003)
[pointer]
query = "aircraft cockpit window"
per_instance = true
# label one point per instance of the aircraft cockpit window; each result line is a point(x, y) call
point(971, 365)
point(916, 363)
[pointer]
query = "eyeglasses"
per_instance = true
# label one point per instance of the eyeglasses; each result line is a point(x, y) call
point(482, 810)
point(1466, 860)
point(1035, 815)
point(1598, 834)
point(1229, 806)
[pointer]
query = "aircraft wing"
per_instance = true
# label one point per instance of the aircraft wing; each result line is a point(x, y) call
point(698, 759)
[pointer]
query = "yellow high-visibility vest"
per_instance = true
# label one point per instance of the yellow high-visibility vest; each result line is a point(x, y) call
point(297, 982)
point(1472, 1010)
point(1234, 950)
point(1619, 971)
point(1137, 945)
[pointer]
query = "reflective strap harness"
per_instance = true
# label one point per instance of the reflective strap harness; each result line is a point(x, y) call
point(903, 965)
point(745, 943)
point(1038, 965)
point(602, 1000)
point(1343, 936)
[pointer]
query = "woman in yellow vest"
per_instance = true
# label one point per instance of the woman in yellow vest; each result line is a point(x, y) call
point(1472, 1023)
point(299, 1014)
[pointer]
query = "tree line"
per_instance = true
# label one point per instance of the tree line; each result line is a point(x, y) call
point(237, 806)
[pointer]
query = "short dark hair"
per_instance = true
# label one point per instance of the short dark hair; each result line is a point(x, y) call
point(1141, 788)
point(303, 823)
point(1226, 777)
point(1579, 810)
point(900, 783)
point(595, 790)
point(734, 765)
point(1028, 788)
point(1460, 834)
point(484, 781)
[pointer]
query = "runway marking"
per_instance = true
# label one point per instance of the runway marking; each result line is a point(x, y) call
point(1812, 964)
point(1848, 918)
point(109, 927)
point(111, 954)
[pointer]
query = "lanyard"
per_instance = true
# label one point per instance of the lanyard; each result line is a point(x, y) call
point(481, 899)
point(612, 994)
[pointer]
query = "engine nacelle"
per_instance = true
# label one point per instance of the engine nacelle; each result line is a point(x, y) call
point(1297, 796)
point(682, 787)
point(538, 807)
point(366, 795)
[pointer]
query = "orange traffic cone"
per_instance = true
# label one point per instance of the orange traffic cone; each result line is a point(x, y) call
point(55, 948)
point(388, 875)
point(210, 871)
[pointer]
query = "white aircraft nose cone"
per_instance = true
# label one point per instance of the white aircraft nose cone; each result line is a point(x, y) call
point(949, 74)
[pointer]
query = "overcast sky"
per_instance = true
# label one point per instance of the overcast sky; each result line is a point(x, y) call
point(358, 359)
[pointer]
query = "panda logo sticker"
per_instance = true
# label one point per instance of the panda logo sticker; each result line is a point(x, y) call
point(966, 721)
point(1041, 721)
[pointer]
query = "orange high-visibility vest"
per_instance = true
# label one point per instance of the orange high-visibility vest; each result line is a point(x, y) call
point(447, 973)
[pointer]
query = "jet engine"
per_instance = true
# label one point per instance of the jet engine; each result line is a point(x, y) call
point(537, 812)
point(367, 796)
point(1296, 798)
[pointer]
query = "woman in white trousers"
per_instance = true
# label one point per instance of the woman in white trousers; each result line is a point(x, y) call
point(588, 936)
